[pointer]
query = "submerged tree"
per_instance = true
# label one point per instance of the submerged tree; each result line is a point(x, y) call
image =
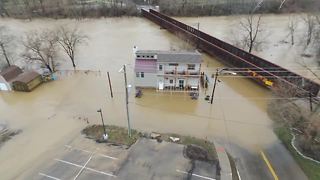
point(41, 47)
point(292, 25)
point(310, 23)
point(70, 39)
point(251, 28)
point(6, 40)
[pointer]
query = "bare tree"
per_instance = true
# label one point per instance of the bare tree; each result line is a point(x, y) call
point(292, 25)
point(70, 39)
point(291, 111)
point(3, 8)
point(309, 21)
point(41, 47)
point(42, 5)
point(251, 27)
point(28, 9)
point(6, 41)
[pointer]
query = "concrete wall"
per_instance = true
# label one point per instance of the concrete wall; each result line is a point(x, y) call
point(149, 80)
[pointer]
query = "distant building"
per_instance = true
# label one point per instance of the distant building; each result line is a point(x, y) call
point(167, 70)
point(7, 76)
point(27, 81)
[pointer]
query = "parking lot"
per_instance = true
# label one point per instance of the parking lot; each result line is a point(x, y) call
point(147, 159)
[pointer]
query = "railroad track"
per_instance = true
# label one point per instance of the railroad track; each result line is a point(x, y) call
point(262, 71)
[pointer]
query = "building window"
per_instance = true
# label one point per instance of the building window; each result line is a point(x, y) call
point(171, 81)
point(173, 64)
point(138, 56)
point(142, 74)
point(152, 56)
point(137, 75)
point(191, 66)
point(160, 67)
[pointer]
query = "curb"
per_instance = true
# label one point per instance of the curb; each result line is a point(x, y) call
point(226, 173)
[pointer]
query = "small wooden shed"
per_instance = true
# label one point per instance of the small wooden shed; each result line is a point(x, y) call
point(27, 81)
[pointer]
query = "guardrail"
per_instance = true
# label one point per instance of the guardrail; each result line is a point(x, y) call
point(259, 69)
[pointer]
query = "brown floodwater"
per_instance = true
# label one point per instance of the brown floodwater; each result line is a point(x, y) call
point(52, 115)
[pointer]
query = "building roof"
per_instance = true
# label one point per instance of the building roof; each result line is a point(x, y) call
point(11, 72)
point(26, 77)
point(174, 56)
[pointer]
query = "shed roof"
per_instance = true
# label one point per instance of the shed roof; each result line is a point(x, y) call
point(174, 56)
point(11, 72)
point(26, 77)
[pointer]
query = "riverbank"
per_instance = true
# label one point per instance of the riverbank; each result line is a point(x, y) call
point(311, 169)
point(106, 8)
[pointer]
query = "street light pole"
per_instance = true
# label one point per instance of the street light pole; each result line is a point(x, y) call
point(216, 79)
point(104, 128)
point(214, 85)
point(127, 99)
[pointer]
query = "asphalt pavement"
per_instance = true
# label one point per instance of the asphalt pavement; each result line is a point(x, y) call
point(145, 160)
point(271, 163)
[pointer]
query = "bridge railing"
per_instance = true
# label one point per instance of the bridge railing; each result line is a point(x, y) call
point(264, 70)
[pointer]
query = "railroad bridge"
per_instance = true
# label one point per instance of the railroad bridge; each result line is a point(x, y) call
point(262, 71)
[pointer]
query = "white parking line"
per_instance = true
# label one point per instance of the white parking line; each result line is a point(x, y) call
point(108, 156)
point(204, 177)
point(90, 169)
point(84, 166)
point(83, 150)
point(51, 177)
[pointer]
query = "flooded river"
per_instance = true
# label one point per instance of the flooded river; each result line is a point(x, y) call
point(53, 114)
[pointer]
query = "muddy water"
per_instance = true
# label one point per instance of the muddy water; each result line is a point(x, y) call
point(53, 114)
point(274, 37)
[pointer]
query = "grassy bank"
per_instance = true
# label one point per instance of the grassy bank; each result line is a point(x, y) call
point(119, 135)
point(187, 140)
point(311, 169)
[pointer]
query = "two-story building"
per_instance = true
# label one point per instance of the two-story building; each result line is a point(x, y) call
point(167, 70)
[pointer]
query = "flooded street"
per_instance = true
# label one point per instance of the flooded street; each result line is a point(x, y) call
point(53, 114)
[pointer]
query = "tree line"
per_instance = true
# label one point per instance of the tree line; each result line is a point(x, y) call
point(42, 46)
point(229, 7)
point(29, 9)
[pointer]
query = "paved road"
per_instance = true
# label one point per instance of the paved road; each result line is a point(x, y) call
point(252, 165)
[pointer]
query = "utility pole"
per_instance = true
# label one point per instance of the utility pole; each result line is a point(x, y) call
point(214, 85)
point(127, 98)
point(104, 128)
point(110, 85)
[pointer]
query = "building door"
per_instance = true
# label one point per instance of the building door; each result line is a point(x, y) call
point(181, 83)
point(161, 85)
